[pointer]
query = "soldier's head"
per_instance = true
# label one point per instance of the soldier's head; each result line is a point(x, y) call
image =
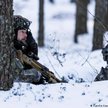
point(21, 26)
point(21, 22)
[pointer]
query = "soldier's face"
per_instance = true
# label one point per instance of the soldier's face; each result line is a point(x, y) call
point(22, 35)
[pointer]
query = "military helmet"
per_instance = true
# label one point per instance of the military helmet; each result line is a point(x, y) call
point(21, 22)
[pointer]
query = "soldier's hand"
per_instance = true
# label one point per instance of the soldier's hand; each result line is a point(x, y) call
point(34, 56)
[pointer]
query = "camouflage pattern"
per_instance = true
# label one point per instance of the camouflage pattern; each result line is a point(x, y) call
point(103, 75)
point(21, 22)
point(22, 75)
point(105, 53)
point(28, 75)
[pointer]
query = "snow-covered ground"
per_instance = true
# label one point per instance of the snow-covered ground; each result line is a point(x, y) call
point(64, 58)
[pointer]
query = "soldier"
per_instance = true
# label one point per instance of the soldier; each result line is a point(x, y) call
point(25, 42)
point(103, 75)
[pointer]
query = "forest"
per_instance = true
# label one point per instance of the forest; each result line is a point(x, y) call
point(72, 43)
point(7, 55)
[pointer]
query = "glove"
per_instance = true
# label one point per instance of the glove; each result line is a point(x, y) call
point(34, 56)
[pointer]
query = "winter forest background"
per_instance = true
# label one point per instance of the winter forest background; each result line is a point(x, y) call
point(70, 36)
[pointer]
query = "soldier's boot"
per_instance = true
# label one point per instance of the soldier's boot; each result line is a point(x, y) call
point(41, 81)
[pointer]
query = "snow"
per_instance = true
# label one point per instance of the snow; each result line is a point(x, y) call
point(65, 58)
point(83, 95)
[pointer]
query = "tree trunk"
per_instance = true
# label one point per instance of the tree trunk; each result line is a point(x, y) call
point(6, 37)
point(99, 24)
point(81, 18)
point(106, 15)
point(41, 24)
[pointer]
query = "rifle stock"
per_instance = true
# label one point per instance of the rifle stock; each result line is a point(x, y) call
point(46, 73)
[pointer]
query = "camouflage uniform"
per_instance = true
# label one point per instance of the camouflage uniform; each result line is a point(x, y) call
point(103, 75)
point(25, 72)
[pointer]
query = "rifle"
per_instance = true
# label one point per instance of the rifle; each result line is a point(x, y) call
point(46, 73)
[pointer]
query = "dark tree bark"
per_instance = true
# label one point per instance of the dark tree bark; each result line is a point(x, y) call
point(99, 24)
point(6, 37)
point(81, 18)
point(41, 24)
point(106, 15)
